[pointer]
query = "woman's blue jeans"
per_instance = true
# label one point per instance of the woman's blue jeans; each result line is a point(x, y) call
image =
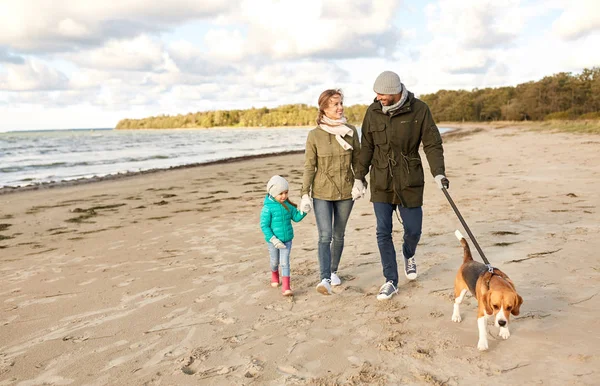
point(412, 221)
point(280, 257)
point(331, 217)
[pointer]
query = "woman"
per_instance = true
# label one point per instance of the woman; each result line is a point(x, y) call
point(331, 157)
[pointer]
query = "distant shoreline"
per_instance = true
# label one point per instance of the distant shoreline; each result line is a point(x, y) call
point(222, 127)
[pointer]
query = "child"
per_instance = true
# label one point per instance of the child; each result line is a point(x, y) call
point(276, 223)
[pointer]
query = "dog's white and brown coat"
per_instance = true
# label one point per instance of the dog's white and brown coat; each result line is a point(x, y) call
point(495, 293)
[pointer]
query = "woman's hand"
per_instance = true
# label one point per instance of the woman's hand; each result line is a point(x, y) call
point(358, 190)
point(305, 204)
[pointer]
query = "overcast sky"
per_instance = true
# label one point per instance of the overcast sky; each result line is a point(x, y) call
point(84, 63)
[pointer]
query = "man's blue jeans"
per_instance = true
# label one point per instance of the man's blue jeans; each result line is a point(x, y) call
point(412, 219)
point(331, 217)
point(280, 257)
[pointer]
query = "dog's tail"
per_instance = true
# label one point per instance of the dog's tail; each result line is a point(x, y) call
point(467, 251)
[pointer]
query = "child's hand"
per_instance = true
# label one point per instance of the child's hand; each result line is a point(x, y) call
point(277, 243)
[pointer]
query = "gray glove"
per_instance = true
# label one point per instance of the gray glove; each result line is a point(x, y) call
point(442, 181)
point(277, 243)
point(305, 204)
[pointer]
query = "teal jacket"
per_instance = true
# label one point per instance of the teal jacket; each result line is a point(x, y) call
point(276, 221)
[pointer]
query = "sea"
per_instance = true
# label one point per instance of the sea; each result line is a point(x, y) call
point(52, 156)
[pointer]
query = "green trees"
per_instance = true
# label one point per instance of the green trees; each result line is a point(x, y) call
point(287, 115)
point(560, 96)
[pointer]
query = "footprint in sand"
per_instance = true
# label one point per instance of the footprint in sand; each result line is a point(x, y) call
point(224, 318)
point(397, 319)
point(393, 342)
point(354, 289)
point(422, 353)
point(195, 358)
point(274, 307)
point(254, 368)
point(192, 368)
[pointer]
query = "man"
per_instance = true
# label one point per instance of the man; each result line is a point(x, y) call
point(395, 125)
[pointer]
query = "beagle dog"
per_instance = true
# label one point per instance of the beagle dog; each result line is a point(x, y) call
point(495, 292)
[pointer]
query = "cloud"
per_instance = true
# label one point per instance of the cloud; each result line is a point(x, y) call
point(7, 57)
point(448, 56)
point(139, 54)
point(289, 29)
point(580, 18)
point(136, 58)
point(476, 24)
point(30, 26)
point(191, 59)
point(33, 75)
point(178, 92)
point(474, 63)
point(274, 29)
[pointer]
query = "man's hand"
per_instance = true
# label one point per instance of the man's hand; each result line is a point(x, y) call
point(277, 243)
point(358, 190)
point(305, 204)
point(442, 181)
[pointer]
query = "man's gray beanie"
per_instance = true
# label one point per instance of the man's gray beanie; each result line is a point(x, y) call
point(388, 83)
point(276, 185)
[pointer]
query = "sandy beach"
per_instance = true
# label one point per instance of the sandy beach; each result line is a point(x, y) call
point(163, 278)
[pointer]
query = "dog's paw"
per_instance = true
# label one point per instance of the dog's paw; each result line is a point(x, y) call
point(456, 318)
point(504, 333)
point(482, 345)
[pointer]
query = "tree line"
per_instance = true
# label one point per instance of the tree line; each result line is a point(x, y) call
point(560, 96)
point(287, 115)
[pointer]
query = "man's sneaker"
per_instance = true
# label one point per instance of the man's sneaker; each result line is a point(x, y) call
point(410, 268)
point(387, 291)
point(324, 287)
point(335, 279)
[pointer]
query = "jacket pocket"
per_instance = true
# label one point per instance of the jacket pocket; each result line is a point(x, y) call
point(413, 168)
point(380, 176)
point(379, 133)
point(379, 179)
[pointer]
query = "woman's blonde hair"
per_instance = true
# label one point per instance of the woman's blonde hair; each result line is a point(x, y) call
point(324, 99)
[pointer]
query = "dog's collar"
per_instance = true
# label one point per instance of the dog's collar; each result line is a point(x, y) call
point(491, 272)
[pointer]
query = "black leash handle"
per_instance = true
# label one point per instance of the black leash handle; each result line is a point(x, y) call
point(464, 224)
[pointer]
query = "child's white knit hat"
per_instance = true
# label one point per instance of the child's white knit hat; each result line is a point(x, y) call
point(276, 185)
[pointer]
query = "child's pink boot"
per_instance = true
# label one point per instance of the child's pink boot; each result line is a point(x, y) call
point(274, 279)
point(285, 286)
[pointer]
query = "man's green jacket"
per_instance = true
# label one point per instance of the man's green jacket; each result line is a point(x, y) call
point(390, 148)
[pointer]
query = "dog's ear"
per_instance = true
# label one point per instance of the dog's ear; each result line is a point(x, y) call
point(517, 308)
point(487, 303)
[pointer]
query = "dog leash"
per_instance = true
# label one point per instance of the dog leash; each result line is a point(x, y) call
point(464, 224)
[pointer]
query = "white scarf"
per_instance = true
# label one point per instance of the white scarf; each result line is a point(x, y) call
point(338, 128)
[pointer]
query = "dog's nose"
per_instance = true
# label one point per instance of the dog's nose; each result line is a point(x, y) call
point(502, 323)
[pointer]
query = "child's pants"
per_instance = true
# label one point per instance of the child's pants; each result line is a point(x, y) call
point(280, 257)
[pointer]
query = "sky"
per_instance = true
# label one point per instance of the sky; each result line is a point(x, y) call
point(88, 64)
